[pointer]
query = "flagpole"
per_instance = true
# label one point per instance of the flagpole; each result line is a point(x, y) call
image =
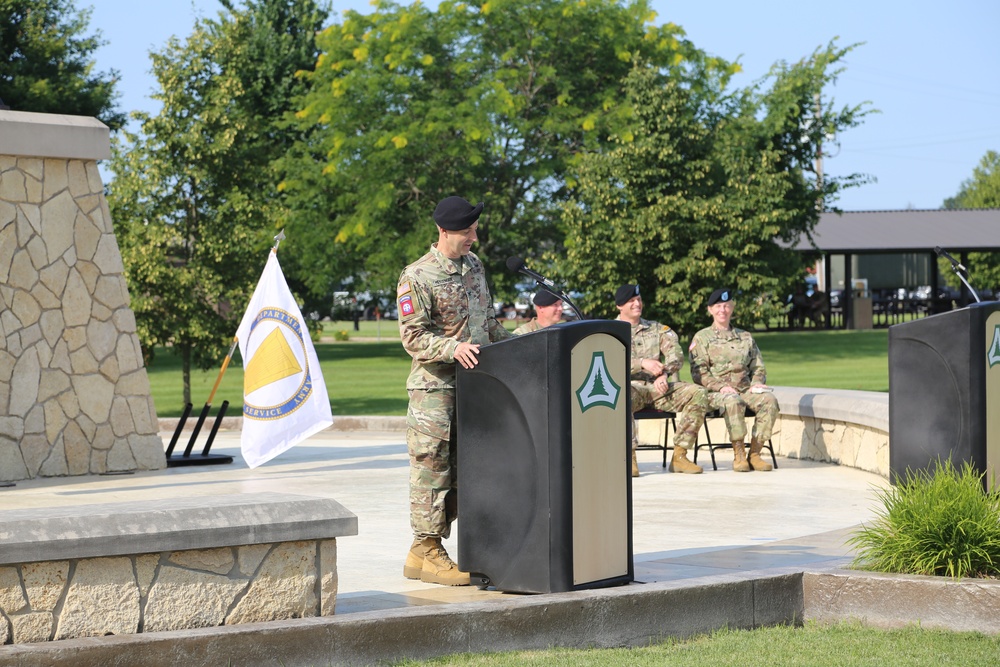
point(232, 348)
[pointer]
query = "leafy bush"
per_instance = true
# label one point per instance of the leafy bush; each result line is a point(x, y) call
point(938, 522)
point(341, 335)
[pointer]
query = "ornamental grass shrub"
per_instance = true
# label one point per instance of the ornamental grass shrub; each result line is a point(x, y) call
point(935, 522)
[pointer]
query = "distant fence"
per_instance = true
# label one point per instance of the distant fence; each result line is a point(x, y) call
point(887, 310)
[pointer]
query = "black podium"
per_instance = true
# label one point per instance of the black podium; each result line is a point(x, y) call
point(944, 390)
point(545, 491)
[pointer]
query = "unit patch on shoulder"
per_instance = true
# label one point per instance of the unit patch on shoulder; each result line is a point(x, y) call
point(406, 305)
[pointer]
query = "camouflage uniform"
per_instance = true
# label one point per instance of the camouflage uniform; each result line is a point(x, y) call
point(442, 302)
point(731, 358)
point(528, 327)
point(651, 340)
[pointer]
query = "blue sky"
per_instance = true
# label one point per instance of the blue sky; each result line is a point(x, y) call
point(931, 68)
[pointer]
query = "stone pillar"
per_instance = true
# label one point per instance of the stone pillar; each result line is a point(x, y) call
point(74, 395)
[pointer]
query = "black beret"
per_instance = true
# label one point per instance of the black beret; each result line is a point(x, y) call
point(455, 214)
point(624, 293)
point(720, 295)
point(543, 297)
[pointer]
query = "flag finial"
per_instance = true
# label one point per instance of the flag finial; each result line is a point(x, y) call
point(278, 239)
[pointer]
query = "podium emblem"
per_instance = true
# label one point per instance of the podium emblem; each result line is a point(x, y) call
point(599, 388)
point(993, 357)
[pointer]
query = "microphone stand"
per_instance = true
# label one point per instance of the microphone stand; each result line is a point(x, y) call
point(958, 272)
point(516, 265)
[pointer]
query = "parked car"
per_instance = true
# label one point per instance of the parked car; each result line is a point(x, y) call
point(368, 306)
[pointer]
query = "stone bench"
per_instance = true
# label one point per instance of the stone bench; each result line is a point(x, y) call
point(171, 564)
point(849, 428)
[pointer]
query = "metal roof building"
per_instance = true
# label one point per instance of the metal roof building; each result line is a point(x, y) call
point(884, 250)
point(959, 230)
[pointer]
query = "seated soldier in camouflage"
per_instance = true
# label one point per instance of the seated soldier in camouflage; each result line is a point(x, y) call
point(548, 311)
point(726, 361)
point(657, 357)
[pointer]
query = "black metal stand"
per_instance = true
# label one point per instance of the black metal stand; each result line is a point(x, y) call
point(205, 458)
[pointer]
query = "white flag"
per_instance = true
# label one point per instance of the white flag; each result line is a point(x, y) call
point(284, 396)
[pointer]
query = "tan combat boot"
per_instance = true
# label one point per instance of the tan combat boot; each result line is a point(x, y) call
point(756, 462)
point(635, 465)
point(679, 462)
point(740, 463)
point(415, 559)
point(439, 568)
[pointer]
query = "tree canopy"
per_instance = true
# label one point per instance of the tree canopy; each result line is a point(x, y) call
point(982, 190)
point(47, 64)
point(607, 149)
point(494, 102)
point(194, 195)
point(707, 188)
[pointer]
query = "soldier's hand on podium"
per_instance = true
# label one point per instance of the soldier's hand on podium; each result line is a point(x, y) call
point(466, 354)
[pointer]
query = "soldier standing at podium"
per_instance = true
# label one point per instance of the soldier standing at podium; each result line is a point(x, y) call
point(445, 315)
point(656, 359)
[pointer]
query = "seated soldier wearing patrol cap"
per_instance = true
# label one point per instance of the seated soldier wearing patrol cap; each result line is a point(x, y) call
point(727, 362)
point(445, 315)
point(657, 357)
point(548, 311)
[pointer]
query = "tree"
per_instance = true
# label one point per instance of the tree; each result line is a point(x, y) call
point(194, 194)
point(492, 101)
point(47, 65)
point(708, 188)
point(980, 191)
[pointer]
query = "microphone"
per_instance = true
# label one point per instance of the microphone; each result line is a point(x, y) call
point(516, 265)
point(940, 253)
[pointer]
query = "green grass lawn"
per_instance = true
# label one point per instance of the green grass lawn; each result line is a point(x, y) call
point(366, 375)
point(827, 359)
point(845, 645)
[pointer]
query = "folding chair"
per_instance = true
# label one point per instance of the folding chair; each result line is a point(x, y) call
point(668, 420)
point(717, 414)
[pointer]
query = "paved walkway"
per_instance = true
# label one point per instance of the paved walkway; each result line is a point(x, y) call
point(684, 526)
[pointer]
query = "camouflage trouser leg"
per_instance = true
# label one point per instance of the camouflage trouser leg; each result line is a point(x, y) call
point(690, 402)
point(733, 412)
point(430, 439)
point(642, 398)
point(766, 407)
point(734, 406)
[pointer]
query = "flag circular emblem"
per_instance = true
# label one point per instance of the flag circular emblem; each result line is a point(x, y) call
point(276, 380)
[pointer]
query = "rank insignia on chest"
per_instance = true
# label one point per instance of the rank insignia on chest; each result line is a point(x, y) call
point(406, 305)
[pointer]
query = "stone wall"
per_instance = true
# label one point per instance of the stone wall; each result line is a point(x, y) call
point(74, 395)
point(151, 566)
point(840, 426)
point(177, 590)
point(843, 443)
